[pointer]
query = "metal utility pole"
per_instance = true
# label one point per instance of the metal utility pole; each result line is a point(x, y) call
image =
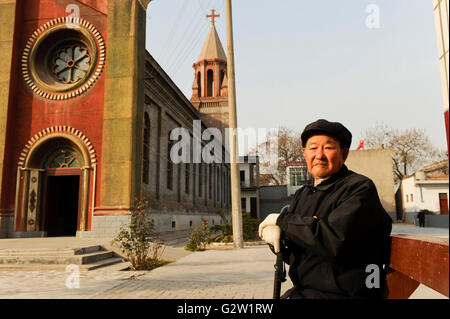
point(236, 215)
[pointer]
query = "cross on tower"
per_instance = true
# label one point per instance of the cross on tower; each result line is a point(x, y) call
point(213, 16)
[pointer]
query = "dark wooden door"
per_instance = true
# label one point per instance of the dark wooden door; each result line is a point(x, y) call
point(443, 203)
point(253, 207)
point(61, 205)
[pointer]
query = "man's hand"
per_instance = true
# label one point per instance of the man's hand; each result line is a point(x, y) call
point(271, 235)
point(271, 219)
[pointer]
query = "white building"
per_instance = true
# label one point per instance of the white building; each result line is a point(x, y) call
point(297, 176)
point(425, 190)
point(249, 176)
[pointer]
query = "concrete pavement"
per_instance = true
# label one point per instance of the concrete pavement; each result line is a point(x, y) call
point(409, 229)
point(217, 274)
point(227, 273)
point(214, 273)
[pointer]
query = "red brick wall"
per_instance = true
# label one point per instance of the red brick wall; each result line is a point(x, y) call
point(30, 113)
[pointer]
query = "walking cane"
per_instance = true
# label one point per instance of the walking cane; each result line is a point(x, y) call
point(280, 274)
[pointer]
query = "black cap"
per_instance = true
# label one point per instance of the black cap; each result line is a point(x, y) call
point(332, 129)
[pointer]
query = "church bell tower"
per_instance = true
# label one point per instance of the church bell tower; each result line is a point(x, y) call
point(210, 88)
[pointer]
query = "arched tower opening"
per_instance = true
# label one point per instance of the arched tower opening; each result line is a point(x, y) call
point(210, 83)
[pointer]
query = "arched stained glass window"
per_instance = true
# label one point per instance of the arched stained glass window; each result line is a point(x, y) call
point(64, 157)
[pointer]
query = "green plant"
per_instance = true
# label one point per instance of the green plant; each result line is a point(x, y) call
point(199, 238)
point(249, 224)
point(426, 212)
point(141, 246)
point(225, 229)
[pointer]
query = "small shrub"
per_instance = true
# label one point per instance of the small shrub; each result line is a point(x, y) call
point(225, 230)
point(199, 238)
point(249, 224)
point(138, 241)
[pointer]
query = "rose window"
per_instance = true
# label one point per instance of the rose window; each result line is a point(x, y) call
point(70, 63)
point(60, 61)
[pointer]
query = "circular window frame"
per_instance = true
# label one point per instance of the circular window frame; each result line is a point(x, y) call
point(63, 45)
point(35, 61)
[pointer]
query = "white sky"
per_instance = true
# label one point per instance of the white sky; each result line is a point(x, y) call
point(300, 60)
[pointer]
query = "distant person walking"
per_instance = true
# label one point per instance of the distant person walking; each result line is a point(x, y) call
point(421, 217)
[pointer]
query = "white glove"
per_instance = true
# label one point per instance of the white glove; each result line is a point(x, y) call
point(271, 235)
point(271, 219)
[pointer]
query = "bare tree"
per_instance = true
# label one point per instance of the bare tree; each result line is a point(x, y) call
point(413, 149)
point(289, 150)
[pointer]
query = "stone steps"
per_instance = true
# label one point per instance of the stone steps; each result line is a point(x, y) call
point(88, 258)
point(114, 263)
point(50, 252)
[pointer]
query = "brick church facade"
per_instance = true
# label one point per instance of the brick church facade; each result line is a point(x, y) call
point(85, 118)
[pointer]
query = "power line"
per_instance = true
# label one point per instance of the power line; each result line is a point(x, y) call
point(170, 37)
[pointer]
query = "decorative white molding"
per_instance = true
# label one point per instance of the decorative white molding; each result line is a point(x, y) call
point(57, 131)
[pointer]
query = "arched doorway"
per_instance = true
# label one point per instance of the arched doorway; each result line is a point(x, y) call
point(61, 191)
point(53, 185)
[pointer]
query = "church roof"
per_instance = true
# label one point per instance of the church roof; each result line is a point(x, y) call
point(212, 49)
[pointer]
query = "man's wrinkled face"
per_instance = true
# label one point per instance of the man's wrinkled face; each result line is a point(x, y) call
point(324, 156)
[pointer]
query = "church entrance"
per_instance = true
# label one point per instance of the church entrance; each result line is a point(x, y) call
point(53, 184)
point(61, 205)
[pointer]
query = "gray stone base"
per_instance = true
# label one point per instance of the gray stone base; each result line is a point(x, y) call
point(6, 226)
point(109, 226)
point(439, 221)
point(31, 234)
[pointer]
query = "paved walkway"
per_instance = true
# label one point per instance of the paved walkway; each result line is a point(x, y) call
point(245, 274)
point(215, 273)
point(409, 229)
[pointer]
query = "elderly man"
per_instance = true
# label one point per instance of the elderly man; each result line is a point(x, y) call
point(335, 233)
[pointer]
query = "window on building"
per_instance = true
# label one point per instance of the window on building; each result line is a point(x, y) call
point(210, 83)
point(210, 172)
point(407, 198)
point(412, 198)
point(169, 164)
point(242, 176)
point(146, 150)
point(244, 204)
point(299, 176)
point(223, 187)
point(217, 183)
point(200, 179)
point(222, 76)
point(199, 83)
point(187, 178)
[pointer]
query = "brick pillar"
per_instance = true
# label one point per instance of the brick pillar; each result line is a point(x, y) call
point(124, 102)
point(7, 21)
